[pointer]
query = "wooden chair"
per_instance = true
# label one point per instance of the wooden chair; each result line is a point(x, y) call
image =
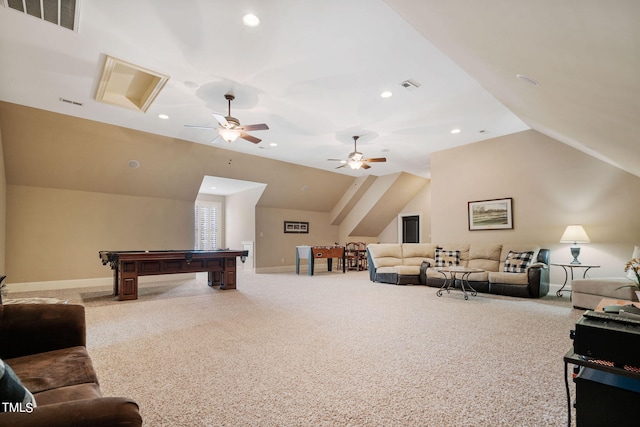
point(339, 259)
point(362, 255)
point(351, 256)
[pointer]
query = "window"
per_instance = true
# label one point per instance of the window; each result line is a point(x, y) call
point(207, 224)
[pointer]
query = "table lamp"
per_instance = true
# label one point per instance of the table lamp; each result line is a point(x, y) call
point(575, 234)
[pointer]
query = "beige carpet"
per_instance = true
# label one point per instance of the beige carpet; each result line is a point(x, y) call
point(330, 350)
point(97, 296)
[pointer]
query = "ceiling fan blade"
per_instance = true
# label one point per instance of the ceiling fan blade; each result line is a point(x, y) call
point(199, 127)
point(341, 166)
point(365, 166)
point(260, 126)
point(216, 139)
point(249, 138)
point(375, 159)
point(221, 119)
point(336, 160)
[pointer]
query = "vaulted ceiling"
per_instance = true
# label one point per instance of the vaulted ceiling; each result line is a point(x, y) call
point(314, 72)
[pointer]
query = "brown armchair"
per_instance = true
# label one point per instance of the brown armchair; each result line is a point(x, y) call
point(45, 345)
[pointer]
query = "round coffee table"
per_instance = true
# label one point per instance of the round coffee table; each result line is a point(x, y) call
point(450, 282)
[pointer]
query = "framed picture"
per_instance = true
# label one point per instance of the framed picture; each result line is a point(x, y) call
point(496, 214)
point(296, 227)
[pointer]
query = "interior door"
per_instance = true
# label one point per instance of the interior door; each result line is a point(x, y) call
point(411, 229)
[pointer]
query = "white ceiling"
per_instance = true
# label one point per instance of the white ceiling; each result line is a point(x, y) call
point(314, 71)
point(225, 186)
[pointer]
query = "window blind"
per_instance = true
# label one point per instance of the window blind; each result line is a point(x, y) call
point(207, 225)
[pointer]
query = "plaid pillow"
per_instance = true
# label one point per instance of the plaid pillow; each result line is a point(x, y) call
point(517, 262)
point(447, 258)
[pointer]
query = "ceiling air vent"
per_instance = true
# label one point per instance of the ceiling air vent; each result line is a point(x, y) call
point(410, 84)
point(68, 101)
point(59, 12)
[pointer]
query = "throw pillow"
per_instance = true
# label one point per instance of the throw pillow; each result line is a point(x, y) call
point(446, 258)
point(12, 390)
point(517, 262)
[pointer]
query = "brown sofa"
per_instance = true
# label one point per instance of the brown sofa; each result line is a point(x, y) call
point(45, 345)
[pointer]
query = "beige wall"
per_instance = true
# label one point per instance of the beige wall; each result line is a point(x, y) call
point(378, 205)
point(56, 234)
point(45, 152)
point(44, 149)
point(3, 209)
point(240, 216)
point(552, 186)
point(364, 205)
point(420, 205)
point(275, 250)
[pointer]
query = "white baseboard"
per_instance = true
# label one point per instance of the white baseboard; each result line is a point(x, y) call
point(304, 268)
point(89, 283)
point(320, 263)
point(280, 269)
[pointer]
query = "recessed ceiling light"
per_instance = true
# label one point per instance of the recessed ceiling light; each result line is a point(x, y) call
point(163, 116)
point(274, 144)
point(386, 94)
point(528, 79)
point(251, 20)
point(213, 188)
point(454, 131)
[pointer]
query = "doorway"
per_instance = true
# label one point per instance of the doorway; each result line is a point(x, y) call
point(410, 229)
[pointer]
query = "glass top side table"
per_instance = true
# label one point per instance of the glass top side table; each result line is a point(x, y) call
point(570, 267)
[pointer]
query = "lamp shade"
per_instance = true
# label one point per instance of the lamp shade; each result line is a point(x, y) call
point(355, 164)
point(575, 234)
point(229, 135)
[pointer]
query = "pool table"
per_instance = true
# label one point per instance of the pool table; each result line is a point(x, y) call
point(127, 266)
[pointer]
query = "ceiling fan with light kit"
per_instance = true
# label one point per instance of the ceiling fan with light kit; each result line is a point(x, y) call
point(230, 128)
point(356, 159)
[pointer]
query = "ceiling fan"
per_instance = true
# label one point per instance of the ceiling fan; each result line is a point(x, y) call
point(356, 160)
point(230, 128)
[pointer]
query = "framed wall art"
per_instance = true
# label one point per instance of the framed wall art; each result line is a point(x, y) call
point(296, 227)
point(495, 214)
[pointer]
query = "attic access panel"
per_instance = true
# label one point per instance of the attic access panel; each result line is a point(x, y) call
point(58, 12)
point(128, 85)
